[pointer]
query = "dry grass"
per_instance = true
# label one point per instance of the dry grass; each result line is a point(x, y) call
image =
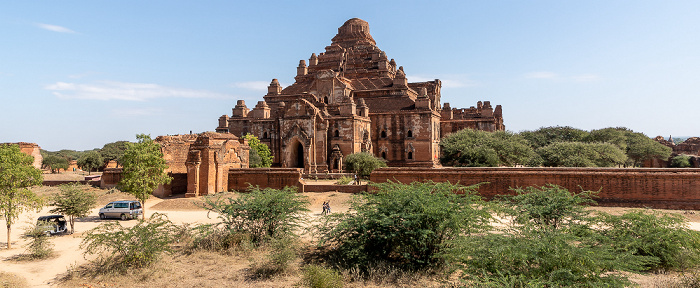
point(9, 280)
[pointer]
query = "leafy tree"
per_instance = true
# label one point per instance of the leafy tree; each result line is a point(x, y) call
point(55, 163)
point(476, 148)
point(407, 225)
point(16, 175)
point(641, 148)
point(144, 169)
point(114, 150)
point(263, 213)
point(548, 135)
point(580, 154)
point(616, 136)
point(363, 164)
point(133, 247)
point(74, 202)
point(681, 161)
point(258, 151)
point(90, 160)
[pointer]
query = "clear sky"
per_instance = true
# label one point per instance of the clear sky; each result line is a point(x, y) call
point(80, 74)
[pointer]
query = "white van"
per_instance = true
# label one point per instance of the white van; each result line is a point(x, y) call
point(121, 209)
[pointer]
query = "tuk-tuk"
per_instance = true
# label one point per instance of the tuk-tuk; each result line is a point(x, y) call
point(53, 224)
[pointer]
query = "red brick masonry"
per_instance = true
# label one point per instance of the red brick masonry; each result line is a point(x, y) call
point(639, 187)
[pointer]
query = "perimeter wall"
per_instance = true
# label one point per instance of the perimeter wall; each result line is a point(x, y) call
point(638, 187)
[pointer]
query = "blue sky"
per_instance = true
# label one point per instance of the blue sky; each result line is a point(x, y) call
point(80, 74)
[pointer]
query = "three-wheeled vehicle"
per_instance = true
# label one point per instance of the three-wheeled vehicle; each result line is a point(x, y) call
point(53, 224)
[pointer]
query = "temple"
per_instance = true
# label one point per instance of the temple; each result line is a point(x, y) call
point(353, 98)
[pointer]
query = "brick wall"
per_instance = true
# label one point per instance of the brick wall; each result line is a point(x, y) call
point(658, 188)
point(277, 178)
point(338, 188)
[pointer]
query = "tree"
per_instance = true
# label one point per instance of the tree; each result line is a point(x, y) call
point(90, 160)
point(260, 155)
point(114, 150)
point(54, 163)
point(616, 136)
point(641, 148)
point(73, 202)
point(580, 154)
point(362, 164)
point(16, 175)
point(681, 161)
point(548, 135)
point(144, 169)
point(476, 148)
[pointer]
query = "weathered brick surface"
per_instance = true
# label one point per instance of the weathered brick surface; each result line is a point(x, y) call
point(277, 178)
point(338, 188)
point(660, 188)
point(110, 178)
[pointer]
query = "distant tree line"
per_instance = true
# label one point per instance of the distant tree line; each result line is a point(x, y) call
point(88, 160)
point(551, 147)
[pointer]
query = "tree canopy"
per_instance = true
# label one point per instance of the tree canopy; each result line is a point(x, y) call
point(16, 175)
point(90, 160)
point(260, 155)
point(363, 163)
point(114, 150)
point(144, 169)
point(54, 163)
point(580, 154)
point(548, 135)
point(475, 148)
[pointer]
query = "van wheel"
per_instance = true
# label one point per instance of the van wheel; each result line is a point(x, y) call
point(102, 216)
point(124, 217)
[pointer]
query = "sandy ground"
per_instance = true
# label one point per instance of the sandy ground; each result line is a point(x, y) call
point(44, 273)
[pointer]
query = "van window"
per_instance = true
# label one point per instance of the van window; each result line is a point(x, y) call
point(121, 205)
point(135, 205)
point(109, 205)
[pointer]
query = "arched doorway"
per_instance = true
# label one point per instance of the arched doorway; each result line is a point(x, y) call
point(297, 155)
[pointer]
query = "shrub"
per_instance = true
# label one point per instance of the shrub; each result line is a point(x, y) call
point(549, 206)
point(363, 164)
point(664, 238)
point(407, 225)
point(38, 246)
point(138, 246)
point(549, 258)
point(345, 180)
point(282, 252)
point(316, 276)
point(681, 161)
point(261, 213)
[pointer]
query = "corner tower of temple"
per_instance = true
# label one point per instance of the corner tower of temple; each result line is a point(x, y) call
point(352, 98)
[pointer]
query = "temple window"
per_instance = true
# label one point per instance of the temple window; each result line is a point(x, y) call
point(409, 134)
point(383, 134)
point(337, 133)
point(410, 155)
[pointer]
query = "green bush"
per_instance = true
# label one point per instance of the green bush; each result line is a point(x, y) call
point(549, 206)
point(406, 225)
point(121, 247)
point(664, 238)
point(316, 276)
point(38, 246)
point(680, 161)
point(261, 213)
point(345, 180)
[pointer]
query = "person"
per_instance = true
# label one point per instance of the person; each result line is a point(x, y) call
point(326, 207)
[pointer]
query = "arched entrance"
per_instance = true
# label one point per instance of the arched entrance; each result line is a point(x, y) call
point(297, 155)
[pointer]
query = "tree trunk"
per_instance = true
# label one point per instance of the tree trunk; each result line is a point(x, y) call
point(72, 224)
point(9, 229)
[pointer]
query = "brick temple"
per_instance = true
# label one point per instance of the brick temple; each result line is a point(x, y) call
point(353, 98)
